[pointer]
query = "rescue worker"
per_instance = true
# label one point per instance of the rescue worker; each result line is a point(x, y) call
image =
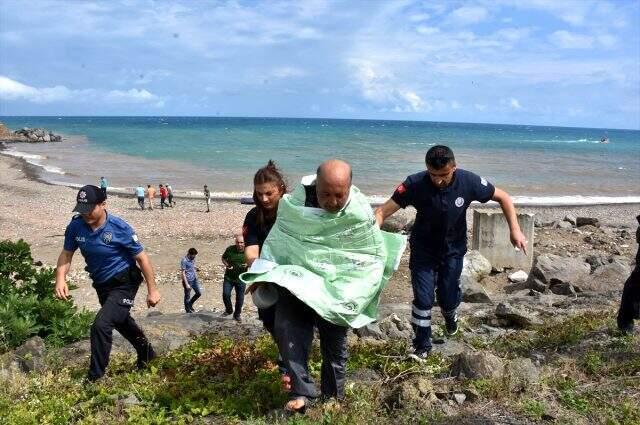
point(441, 195)
point(116, 264)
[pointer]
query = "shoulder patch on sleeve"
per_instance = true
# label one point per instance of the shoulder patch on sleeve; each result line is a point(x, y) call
point(401, 188)
point(483, 181)
point(134, 237)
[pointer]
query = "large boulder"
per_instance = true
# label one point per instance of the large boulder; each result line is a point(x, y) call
point(551, 268)
point(607, 277)
point(477, 365)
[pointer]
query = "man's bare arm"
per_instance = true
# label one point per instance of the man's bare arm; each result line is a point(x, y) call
point(517, 237)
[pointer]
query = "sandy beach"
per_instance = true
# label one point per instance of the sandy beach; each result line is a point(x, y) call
point(39, 212)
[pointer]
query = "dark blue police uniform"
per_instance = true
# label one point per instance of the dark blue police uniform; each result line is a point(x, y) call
point(438, 243)
point(109, 253)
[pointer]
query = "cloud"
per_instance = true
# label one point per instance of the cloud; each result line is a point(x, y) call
point(14, 90)
point(468, 15)
point(135, 96)
point(568, 40)
point(381, 88)
point(514, 103)
point(480, 106)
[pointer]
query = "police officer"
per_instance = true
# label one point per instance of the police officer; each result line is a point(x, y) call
point(441, 196)
point(114, 259)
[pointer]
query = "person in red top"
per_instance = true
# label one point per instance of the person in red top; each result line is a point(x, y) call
point(163, 197)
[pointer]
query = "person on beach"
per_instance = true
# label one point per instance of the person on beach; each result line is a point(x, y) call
point(151, 193)
point(103, 186)
point(140, 196)
point(190, 281)
point(234, 263)
point(163, 197)
point(170, 194)
point(441, 195)
point(207, 197)
point(630, 302)
point(116, 263)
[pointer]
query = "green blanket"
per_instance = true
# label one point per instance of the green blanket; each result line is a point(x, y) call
point(337, 264)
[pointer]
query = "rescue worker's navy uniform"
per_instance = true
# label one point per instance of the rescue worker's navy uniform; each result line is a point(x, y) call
point(438, 243)
point(294, 328)
point(109, 253)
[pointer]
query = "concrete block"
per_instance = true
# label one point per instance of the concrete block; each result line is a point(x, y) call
point(491, 238)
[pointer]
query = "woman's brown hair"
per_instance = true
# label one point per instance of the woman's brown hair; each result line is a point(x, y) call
point(267, 174)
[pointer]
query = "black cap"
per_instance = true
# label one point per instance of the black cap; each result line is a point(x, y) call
point(87, 198)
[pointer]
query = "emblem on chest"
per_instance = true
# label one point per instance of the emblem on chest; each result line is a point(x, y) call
point(107, 237)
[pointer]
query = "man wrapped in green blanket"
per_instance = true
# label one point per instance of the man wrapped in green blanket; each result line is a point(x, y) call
point(330, 262)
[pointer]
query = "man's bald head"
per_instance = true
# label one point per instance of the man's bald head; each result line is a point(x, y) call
point(333, 183)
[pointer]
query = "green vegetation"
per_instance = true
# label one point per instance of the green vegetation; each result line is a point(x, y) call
point(27, 304)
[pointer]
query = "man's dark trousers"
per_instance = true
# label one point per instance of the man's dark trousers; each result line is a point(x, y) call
point(116, 298)
point(432, 277)
point(294, 327)
point(227, 286)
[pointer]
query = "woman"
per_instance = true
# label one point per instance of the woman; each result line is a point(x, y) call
point(268, 188)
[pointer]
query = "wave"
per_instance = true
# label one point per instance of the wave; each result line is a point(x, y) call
point(35, 160)
point(595, 141)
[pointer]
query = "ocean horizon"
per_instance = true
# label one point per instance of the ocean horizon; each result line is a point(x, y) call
point(535, 164)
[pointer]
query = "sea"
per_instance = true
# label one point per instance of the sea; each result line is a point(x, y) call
point(535, 164)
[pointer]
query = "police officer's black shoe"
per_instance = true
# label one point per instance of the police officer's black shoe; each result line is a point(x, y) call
point(451, 323)
point(143, 361)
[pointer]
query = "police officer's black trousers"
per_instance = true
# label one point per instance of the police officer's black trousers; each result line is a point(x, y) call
point(116, 301)
point(294, 327)
point(630, 303)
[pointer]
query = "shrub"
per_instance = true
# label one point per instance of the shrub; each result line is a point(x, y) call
point(28, 306)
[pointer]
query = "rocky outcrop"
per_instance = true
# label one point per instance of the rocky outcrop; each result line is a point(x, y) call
point(551, 270)
point(33, 135)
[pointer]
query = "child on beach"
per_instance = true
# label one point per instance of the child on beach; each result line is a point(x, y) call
point(207, 196)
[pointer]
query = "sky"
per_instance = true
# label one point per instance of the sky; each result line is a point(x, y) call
point(540, 62)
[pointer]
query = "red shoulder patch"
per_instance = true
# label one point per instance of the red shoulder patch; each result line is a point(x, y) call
point(245, 231)
point(401, 188)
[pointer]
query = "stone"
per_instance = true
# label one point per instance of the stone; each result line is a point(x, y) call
point(475, 265)
point(587, 221)
point(395, 224)
point(563, 225)
point(596, 261)
point(491, 239)
point(517, 315)
point(130, 400)
point(477, 365)
point(518, 277)
point(473, 291)
point(562, 288)
point(561, 269)
point(459, 397)
point(414, 392)
point(610, 276)
point(30, 355)
point(371, 330)
point(570, 219)
point(521, 374)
